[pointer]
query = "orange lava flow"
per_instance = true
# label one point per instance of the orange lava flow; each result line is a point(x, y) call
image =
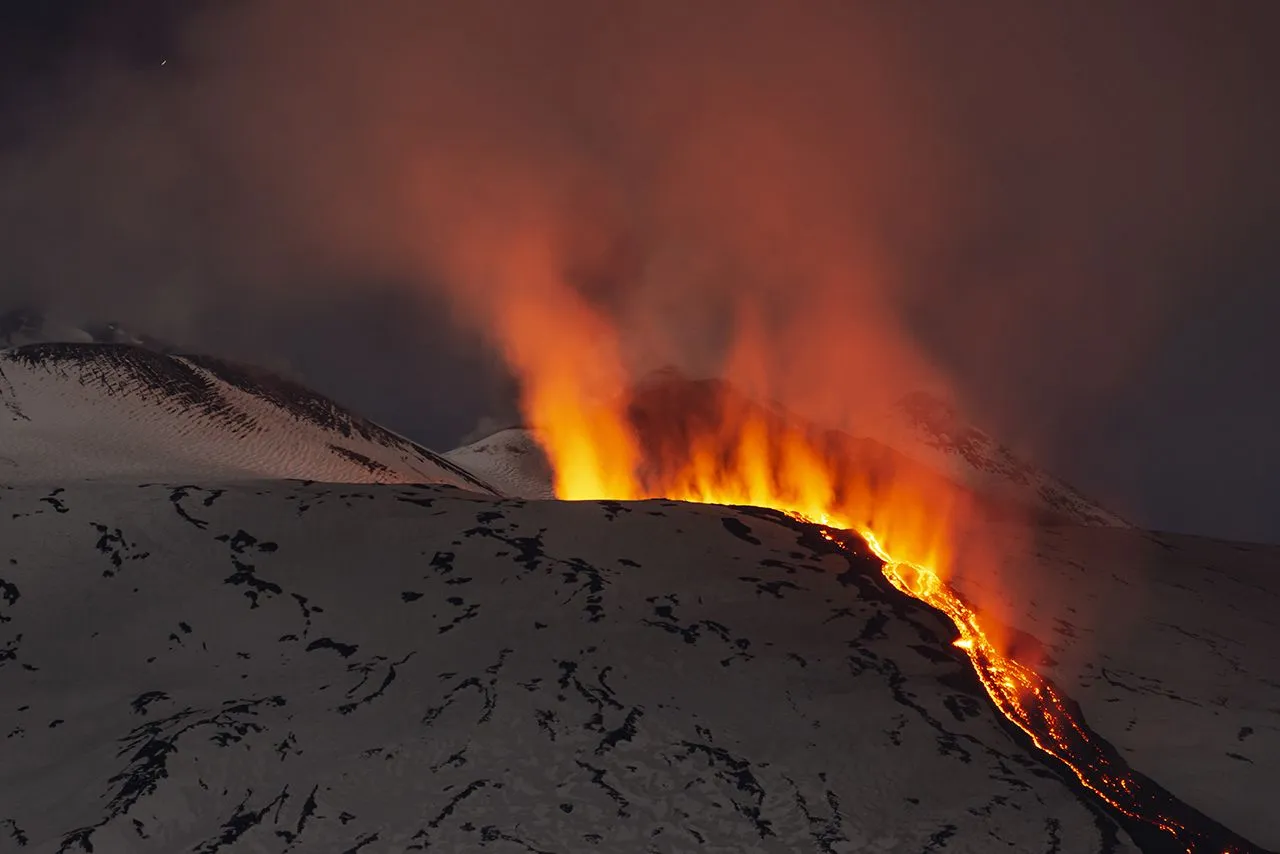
point(786, 472)
point(1025, 697)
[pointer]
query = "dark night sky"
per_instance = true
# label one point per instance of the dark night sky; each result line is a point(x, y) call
point(1079, 206)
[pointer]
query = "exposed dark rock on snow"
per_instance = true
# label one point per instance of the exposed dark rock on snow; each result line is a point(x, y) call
point(249, 677)
point(201, 669)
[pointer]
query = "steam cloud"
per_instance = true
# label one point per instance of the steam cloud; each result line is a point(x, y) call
point(834, 202)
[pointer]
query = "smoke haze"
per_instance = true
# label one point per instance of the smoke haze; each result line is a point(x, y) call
point(1028, 207)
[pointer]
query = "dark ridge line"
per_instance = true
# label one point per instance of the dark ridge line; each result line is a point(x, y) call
point(109, 366)
point(311, 406)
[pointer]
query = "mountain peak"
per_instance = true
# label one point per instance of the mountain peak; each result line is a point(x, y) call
point(106, 411)
point(941, 438)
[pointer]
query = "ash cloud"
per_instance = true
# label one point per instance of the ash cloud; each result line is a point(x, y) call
point(1020, 204)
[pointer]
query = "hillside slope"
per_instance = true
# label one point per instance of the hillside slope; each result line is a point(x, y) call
point(511, 460)
point(93, 411)
point(1166, 641)
point(929, 430)
point(321, 668)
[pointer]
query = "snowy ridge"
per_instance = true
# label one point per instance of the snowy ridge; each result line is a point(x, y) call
point(930, 430)
point(511, 460)
point(93, 411)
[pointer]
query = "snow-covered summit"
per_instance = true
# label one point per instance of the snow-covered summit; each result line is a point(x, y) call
point(94, 411)
point(511, 460)
point(932, 431)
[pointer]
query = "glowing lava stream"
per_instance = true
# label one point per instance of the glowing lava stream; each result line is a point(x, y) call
point(1023, 696)
point(1019, 693)
point(751, 462)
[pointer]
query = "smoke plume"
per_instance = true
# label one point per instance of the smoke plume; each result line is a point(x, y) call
point(830, 202)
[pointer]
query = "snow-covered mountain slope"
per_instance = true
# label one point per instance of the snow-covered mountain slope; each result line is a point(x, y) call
point(92, 411)
point(930, 430)
point(511, 460)
point(1168, 643)
point(292, 667)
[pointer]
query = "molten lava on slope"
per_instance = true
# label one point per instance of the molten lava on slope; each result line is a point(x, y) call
point(909, 520)
point(1053, 723)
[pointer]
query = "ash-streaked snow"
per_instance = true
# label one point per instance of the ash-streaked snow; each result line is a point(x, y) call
point(931, 431)
point(271, 667)
point(511, 461)
point(117, 411)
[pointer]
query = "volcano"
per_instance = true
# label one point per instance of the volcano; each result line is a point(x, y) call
point(921, 439)
point(235, 616)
